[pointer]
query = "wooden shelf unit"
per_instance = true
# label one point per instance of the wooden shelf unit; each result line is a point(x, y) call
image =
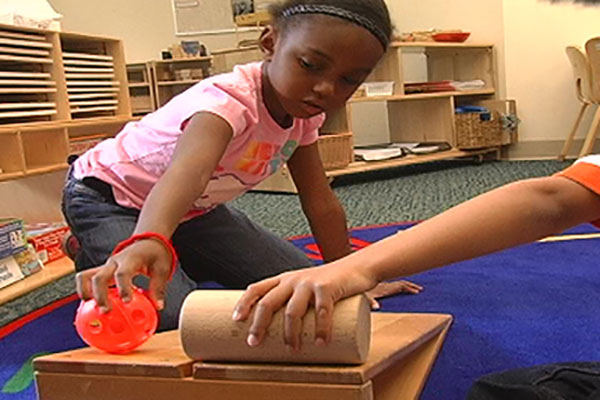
point(225, 59)
point(172, 77)
point(54, 86)
point(152, 84)
point(429, 117)
point(141, 88)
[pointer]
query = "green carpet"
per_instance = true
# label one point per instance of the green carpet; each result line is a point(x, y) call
point(401, 194)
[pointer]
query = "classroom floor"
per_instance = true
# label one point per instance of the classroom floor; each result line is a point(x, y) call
point(402, 194)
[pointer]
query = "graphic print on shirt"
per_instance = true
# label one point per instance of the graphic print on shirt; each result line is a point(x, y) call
point(260, 160)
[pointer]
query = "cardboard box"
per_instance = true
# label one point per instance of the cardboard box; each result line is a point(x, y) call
point(18, 266)
point(12, 237)
point(47, 240)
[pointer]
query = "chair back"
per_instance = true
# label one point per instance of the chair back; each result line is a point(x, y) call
point(592, 49)
point(582, 73)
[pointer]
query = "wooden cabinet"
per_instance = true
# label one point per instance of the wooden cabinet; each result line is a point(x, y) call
point(429, 116)
point(172, 77)
point(55, 86)
point(152, 84)
point(141, 88)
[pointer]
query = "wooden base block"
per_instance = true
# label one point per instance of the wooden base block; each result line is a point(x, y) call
point(403, 350)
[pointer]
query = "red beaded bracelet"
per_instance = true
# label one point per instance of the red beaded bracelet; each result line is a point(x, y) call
point(151, 235)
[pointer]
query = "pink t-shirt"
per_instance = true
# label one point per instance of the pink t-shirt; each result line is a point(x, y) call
point(136, 158)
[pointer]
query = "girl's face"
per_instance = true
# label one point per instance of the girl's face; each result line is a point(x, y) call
point(316, 65)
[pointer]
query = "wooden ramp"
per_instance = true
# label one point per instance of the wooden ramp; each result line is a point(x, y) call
point(403, 350)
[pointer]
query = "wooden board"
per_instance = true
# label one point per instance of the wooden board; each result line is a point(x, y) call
point(20, 35)
point(101, 387)
point(394, 336)
point(20, 74)
point(25, 43)
point(12, 106)
point(92, 109)
point(75, 62)
point(161, 356)
point(40, 60)
point(403, 351)
point(87, 56)
point(21, 114)
point(29, 52)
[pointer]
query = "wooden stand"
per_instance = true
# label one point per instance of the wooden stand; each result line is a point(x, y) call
point(403, 349)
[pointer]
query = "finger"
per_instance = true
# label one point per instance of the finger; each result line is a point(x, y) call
point(264, 310)
point(374, 303)
point(251, 295)
point(324, 304)
point(294, 312)
point(100, 282)
point(83, 282)
point(127, 268)
point(412, 287)
point(157, 288)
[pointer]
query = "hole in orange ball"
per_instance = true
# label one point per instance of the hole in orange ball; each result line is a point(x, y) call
point(117, 327)
point(138, 316)
point(95, 326)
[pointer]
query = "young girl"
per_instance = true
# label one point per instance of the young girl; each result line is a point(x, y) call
point(170, 174)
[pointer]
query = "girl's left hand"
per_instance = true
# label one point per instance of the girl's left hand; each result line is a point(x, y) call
point(385, 289)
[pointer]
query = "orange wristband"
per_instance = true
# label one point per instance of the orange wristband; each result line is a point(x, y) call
point(151, 235)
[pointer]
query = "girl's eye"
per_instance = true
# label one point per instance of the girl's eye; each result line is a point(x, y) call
point(351, 81)
point(308, 65)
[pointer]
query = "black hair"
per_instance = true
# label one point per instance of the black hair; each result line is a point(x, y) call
point(370, 14)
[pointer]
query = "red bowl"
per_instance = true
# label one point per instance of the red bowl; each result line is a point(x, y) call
point(451, 36)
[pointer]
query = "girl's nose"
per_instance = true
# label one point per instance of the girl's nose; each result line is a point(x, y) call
point(324, 88)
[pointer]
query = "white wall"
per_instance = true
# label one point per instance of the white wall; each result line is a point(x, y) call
point(482, 18)
point(538, 73)
point(145, 26)
point(529, 35)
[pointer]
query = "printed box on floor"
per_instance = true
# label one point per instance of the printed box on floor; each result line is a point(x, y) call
point(12, 236)
point(47, 240)
point(18, 266)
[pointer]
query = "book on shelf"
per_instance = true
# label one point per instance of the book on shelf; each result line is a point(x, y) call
point(442, 86)
point(389, 151)
point(12, 236)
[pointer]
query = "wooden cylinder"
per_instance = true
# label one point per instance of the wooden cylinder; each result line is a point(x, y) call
point(208, 332)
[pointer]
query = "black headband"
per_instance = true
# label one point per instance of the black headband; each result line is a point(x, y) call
point(340, 13)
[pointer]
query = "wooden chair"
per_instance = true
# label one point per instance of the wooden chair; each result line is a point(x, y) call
point(586, 70)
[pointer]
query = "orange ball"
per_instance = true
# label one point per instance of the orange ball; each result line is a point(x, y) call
point(123, 328)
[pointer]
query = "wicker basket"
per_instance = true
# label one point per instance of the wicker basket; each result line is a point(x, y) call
point(335, 150)
point(472, 132)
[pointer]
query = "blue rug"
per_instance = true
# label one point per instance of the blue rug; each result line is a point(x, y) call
point(529, 305)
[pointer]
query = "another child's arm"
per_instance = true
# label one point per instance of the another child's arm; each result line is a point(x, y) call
point(196, 156)
point(321, 206)
point(327, 218)
point(508, 216)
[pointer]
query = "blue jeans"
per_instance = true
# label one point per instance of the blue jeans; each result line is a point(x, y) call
point(563, 381)
point(222, 245)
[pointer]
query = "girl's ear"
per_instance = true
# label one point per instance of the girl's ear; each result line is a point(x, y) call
point(267, 41)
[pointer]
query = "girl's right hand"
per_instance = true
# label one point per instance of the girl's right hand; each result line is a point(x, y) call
point(148, 257)
point(322, 286)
